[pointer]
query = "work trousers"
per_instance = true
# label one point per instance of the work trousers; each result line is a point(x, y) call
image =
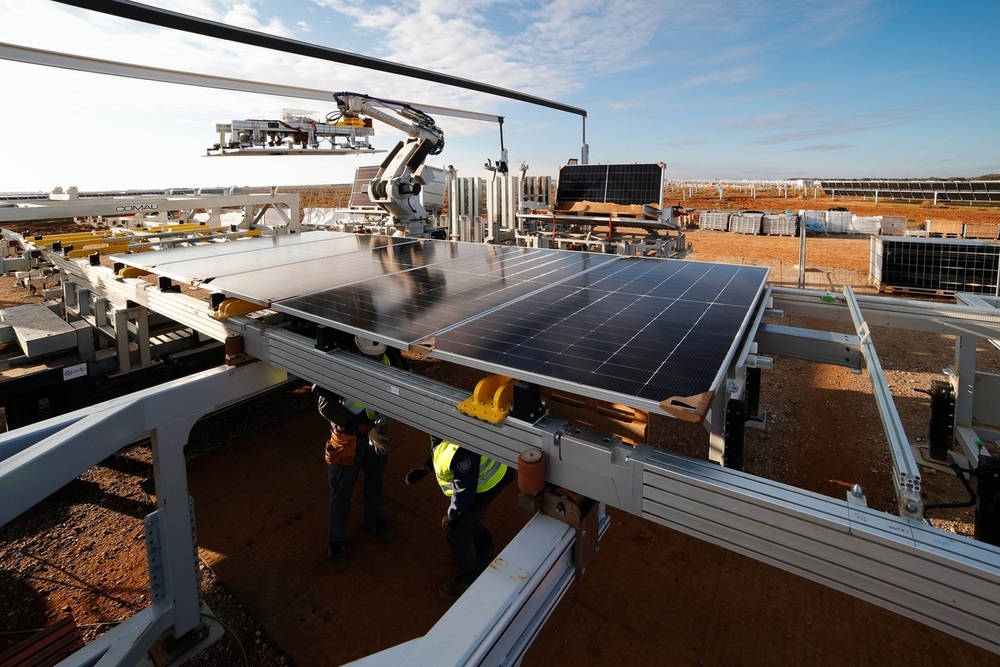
point(342, 479)
point(471, 543)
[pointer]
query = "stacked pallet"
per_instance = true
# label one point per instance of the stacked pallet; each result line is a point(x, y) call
point(945, 229)
point(814, 221)
point(981, 230)
point(779, 224)
point(865, 224)
point(718, 220)
point(746, 222)
point(838, 222)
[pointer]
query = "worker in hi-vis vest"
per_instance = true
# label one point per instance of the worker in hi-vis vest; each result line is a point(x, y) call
point(472, 482)
point(358, 444)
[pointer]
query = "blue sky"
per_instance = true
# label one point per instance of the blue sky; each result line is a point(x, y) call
point(714, 89)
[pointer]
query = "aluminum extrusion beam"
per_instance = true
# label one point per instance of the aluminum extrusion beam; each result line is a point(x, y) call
point(47, 209)
point(907, 314)
point(32, 56)
point(936, 578)
point(906, 473)
point(496, 620)
point(823, 347)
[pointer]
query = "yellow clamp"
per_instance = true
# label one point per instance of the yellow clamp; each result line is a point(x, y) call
point(132, 272)
point(491, 401)
point(234, 307)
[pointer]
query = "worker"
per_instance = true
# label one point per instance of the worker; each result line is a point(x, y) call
point(358, 444)
point(472, 482)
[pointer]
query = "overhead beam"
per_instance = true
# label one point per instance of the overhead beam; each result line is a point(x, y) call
point(176, 21)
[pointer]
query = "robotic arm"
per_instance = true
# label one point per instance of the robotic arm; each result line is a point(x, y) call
point(396, 186)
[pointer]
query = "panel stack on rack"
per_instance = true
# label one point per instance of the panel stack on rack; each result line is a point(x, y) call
point(865, 224)
point(746, 222)
point(981, 230)
point(944, 229)
point(718, 220)
point(838, 222)
point(893, 225)
point(779, 224)
point(934, 266)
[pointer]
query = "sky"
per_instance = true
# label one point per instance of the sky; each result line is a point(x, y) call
point(714, 89)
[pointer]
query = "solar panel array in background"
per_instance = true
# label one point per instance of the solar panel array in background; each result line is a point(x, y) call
point(624, 184)
point(359, 193)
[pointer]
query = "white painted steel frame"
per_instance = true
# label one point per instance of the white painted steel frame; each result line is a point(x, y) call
point(496, 620)
point(39, 459)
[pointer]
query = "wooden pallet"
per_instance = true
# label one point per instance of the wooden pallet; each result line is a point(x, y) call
point(629, 424)
point(45, 648)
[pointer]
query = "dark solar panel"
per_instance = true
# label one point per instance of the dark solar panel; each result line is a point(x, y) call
point(623, 184)
point(438, 285)
point(648, 328)
point(359, 192)
point(634, 330)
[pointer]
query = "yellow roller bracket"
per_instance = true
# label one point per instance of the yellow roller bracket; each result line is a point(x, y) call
point(234, 307)
point(132, 272)
point(492, 399)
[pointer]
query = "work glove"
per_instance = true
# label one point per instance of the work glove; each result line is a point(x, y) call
point(446, 523)
point(416, 474)
point(380, 443)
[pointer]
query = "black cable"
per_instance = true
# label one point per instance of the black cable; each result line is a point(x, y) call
point(960, 473)
point(183, 22)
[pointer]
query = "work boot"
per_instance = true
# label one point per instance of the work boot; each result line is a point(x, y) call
point(337, 556)
point(382, 530)
point(452, 589)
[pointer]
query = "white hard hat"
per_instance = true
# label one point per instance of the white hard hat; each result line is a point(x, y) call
point(372, 348)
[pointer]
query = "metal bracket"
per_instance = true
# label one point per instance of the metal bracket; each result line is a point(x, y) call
point(491, 400)
point(583, 515)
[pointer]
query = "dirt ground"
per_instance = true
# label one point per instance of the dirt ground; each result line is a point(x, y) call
point(655, 596)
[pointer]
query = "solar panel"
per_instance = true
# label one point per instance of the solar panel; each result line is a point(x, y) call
point(641, 331)
point(644, 328)
point(359, 192)
point(624, 184)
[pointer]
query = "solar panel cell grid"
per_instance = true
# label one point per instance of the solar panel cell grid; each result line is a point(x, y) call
point(633, 330)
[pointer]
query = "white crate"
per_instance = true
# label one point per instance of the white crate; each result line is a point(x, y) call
point(894, 225)
point(866, 224)
point(838, 222)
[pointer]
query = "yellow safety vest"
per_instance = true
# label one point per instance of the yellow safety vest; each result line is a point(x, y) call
point(356, 406)
point(490, 471)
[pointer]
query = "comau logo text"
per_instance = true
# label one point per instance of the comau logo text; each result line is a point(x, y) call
point(135, 208)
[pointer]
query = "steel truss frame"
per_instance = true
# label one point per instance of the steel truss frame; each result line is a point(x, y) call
point(937, 578)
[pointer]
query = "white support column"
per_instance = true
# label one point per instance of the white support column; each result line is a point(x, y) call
point(121, 339)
